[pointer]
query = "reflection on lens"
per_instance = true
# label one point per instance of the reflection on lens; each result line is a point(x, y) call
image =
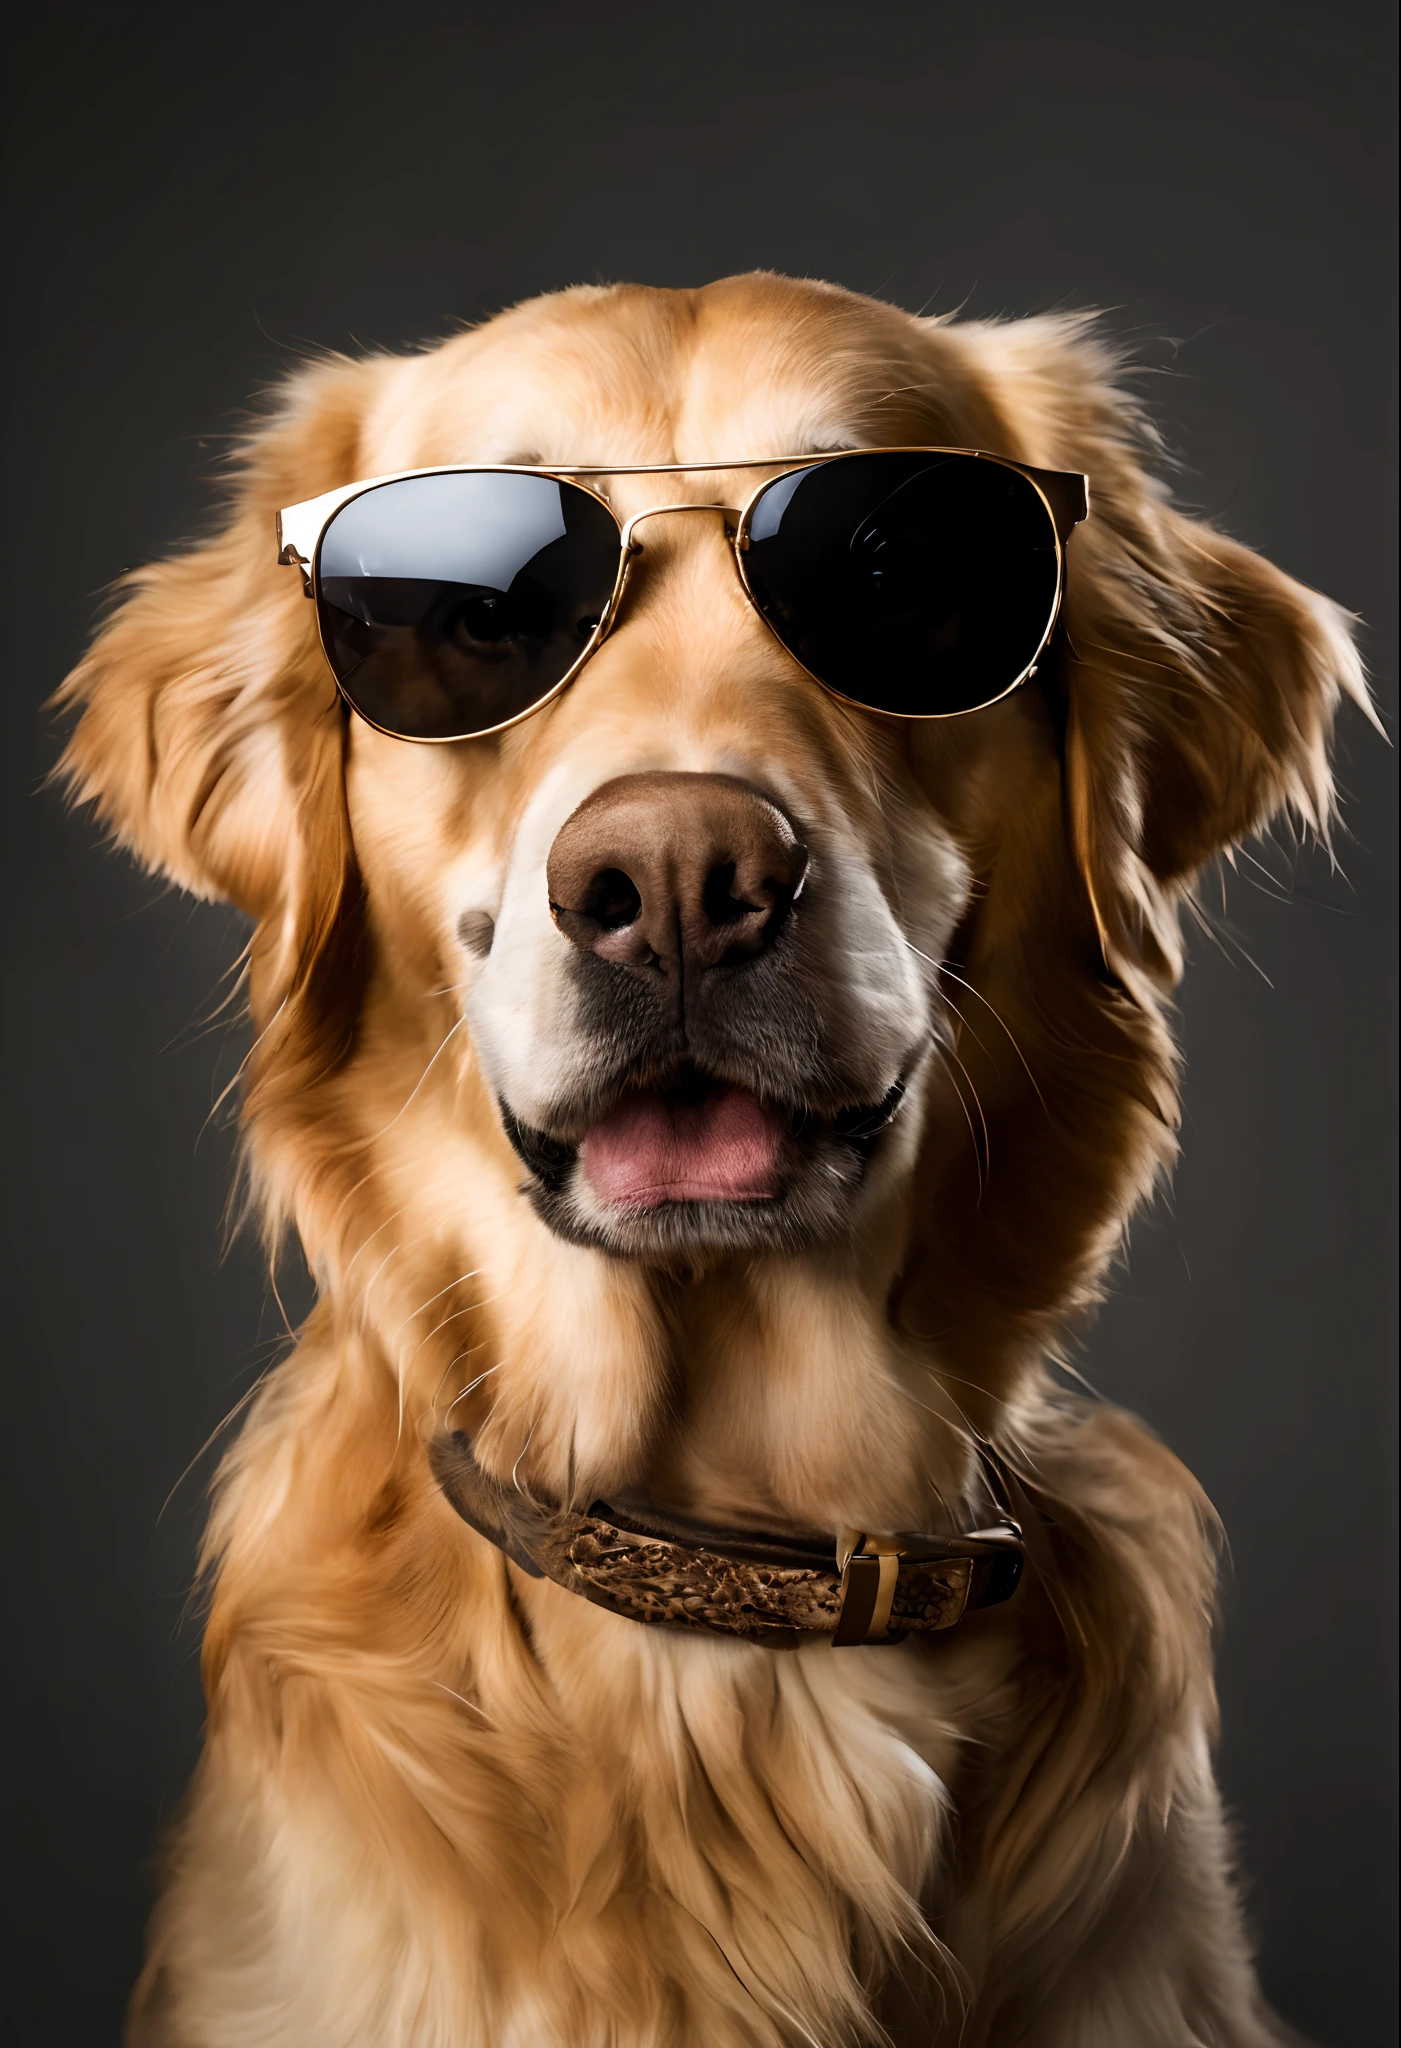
point(919, 584)
point(452, 604)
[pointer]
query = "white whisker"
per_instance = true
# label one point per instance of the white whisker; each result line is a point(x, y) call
point(420, 1081)
point(472, 1385)
point(471, 1705)
point(943, 967)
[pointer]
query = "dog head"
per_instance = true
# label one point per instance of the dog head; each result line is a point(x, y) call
point(698, 961)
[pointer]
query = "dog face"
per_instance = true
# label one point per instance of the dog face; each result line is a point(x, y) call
point(713, 1071)
point(717, 963)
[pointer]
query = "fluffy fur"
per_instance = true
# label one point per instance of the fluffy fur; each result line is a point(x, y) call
point(442, 1806)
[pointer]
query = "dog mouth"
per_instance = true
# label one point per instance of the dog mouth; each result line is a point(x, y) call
point(694, 1157)
point(722, 1145)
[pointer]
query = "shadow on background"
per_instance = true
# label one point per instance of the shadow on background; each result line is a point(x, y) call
point(196, 198)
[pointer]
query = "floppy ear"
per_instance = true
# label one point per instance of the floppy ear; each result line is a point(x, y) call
point(1201, 683)
point(211, 738)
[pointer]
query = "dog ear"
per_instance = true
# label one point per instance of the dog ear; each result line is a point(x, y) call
point(210, 739)
point(1200, 682)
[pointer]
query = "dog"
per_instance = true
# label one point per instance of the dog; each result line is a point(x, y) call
point(667, 1593)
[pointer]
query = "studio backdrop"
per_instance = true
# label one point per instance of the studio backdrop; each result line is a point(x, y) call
point(199, 198)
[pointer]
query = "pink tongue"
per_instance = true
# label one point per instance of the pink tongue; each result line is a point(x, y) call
point(725, 1149)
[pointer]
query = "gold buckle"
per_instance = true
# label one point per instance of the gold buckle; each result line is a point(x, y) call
point(870, 1569)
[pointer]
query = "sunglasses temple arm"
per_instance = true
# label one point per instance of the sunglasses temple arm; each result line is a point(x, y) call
point(1067, 493)
point(288, 558)
point(299, 528)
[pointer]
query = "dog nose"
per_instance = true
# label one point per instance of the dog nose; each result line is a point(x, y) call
point(674, 873)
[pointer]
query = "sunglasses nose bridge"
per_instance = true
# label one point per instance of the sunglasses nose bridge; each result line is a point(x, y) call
point(632, 546)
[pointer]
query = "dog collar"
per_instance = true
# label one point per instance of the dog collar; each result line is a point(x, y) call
point(780, 1590)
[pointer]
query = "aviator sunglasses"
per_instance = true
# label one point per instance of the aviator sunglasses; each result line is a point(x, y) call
point(914, 582)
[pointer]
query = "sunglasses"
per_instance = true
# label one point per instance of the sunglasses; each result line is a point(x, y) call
point(913, 582)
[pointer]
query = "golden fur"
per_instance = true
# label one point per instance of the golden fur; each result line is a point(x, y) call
point(446, 1806)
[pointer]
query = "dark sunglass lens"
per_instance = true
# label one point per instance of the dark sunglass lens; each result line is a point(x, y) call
point(918, 584)
point(451, 604)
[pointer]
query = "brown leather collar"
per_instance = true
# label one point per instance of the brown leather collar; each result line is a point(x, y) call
point(778, 1589)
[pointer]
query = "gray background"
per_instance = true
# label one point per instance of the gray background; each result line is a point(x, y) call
point(195, 194)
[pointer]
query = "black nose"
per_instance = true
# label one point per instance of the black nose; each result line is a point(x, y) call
point(673, 874)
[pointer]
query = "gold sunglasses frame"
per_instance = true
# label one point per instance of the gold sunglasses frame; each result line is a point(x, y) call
point(302, 528)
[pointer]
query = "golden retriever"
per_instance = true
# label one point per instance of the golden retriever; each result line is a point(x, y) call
point(444, 1799)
